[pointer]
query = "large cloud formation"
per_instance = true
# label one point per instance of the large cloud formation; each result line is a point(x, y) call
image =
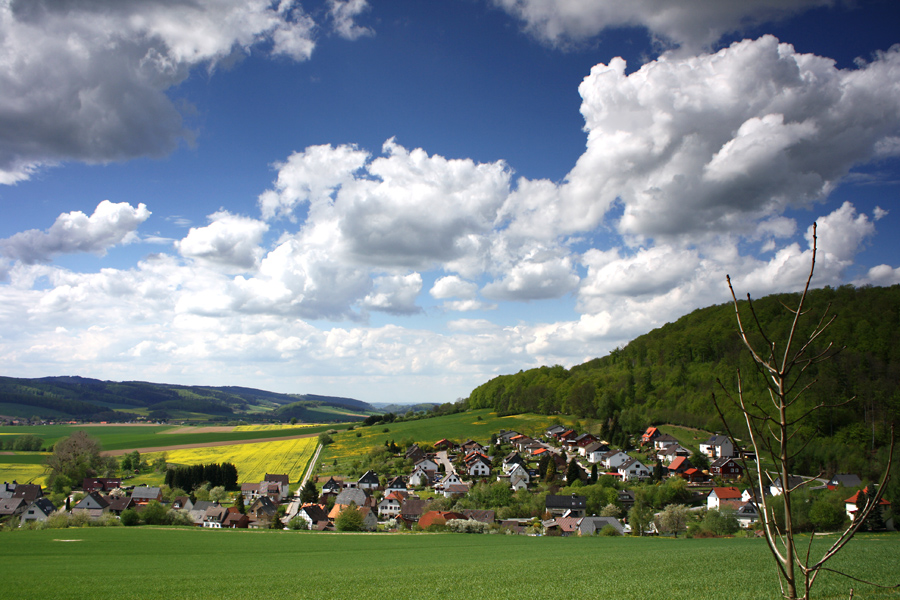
point(86, 80)
point(691, 166)
point(691, 24)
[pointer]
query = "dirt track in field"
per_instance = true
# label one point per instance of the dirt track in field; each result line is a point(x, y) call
point(206, 445)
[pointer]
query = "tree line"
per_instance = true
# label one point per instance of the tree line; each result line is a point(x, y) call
point(192, 476)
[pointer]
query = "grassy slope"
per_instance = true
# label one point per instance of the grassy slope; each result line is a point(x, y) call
point(477, 425)
point(204, 564)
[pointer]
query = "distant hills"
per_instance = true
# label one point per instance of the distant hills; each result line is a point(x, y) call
point(72, 397)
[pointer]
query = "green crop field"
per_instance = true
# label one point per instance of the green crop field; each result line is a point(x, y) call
point(148, 563)
point(127, 437)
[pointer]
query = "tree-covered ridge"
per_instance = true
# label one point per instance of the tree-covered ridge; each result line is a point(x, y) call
point(669, 374)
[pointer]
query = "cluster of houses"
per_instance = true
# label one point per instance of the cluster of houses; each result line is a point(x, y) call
point(105, 496)
point(449, 471)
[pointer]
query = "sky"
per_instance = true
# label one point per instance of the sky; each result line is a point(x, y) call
point(398, 200)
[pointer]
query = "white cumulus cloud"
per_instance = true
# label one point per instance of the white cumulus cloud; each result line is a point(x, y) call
point(73, 232)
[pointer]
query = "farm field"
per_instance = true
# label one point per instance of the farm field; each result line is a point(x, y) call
point(477, 425)
point(129, 437)
point(187, 563)
point(253, 461)
point(25, 467)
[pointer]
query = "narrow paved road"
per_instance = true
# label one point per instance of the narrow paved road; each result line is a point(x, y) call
point(295, 505)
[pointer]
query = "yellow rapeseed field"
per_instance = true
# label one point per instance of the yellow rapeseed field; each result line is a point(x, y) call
point(253, 461)
point(272, 426)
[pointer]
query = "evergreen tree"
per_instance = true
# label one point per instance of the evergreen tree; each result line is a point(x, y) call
point(309, 493)
point(550, 473)
point(593, 473)
point(573, 472)
point(239, 503)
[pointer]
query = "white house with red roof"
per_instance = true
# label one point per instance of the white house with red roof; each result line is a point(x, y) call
point(720, 497)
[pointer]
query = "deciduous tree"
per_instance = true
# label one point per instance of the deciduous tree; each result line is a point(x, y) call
point(775, 425)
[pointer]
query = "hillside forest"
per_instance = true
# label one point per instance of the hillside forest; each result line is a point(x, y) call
point(670, 374)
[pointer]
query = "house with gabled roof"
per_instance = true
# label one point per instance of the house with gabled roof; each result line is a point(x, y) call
point(12, 507)
point(471, 446)
point(100, 484)
point(438, 517)
point(263, 510)
point(455, 490)
point(93, 504)
point(426, 464)
point(663, 440)
point(726, 468)
point(505, 435)
point(718, 446)
point(848, 480)
point(39, 510)
point(118, 505)
point(649, 435)
point(614, 458)
point(332, 486)
point(144, 494)
point(421, 478)
point(511, 459)
point(776, 489)
point(397, 484)
point(448, 479)
point(412, 508)
point(565, 506)
point(554, 431)
point(679, 465)
point(29, 492)
point(443, 444)
point(592, 525)
point(747, 514)
point(718, 495)
point(594, 452)
point(314, 515)
point(414, 453)
point(235, 519)
point(852, 506)
point(482, 516)
point(671, 452)
point(283, 482)
point(352, 496)
point(567, 526)
point(390, 505)
point(368, 481)
point(634, 470)
point(215, 515)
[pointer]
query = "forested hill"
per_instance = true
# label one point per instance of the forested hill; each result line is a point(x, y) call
point(669, 374)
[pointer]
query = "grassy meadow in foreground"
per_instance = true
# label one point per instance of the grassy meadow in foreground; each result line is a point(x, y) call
point(147, 563)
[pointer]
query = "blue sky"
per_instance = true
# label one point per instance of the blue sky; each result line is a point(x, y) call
point(397, 201)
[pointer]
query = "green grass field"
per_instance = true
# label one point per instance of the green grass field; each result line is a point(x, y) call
point(147, 563)
point(126, 437)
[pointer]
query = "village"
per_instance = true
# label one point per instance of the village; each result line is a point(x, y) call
point(438, 492)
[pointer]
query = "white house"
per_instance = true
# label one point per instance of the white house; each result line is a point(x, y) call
point(427, 464)
point(614, 458)
point(420, 477)
point(478, 468)
point(720, 494)
point(633, 469)
point(718, 446)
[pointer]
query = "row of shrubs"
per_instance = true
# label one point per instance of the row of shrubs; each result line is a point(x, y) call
point(153, 514)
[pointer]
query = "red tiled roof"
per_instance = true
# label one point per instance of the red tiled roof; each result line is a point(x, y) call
point(727, 493)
